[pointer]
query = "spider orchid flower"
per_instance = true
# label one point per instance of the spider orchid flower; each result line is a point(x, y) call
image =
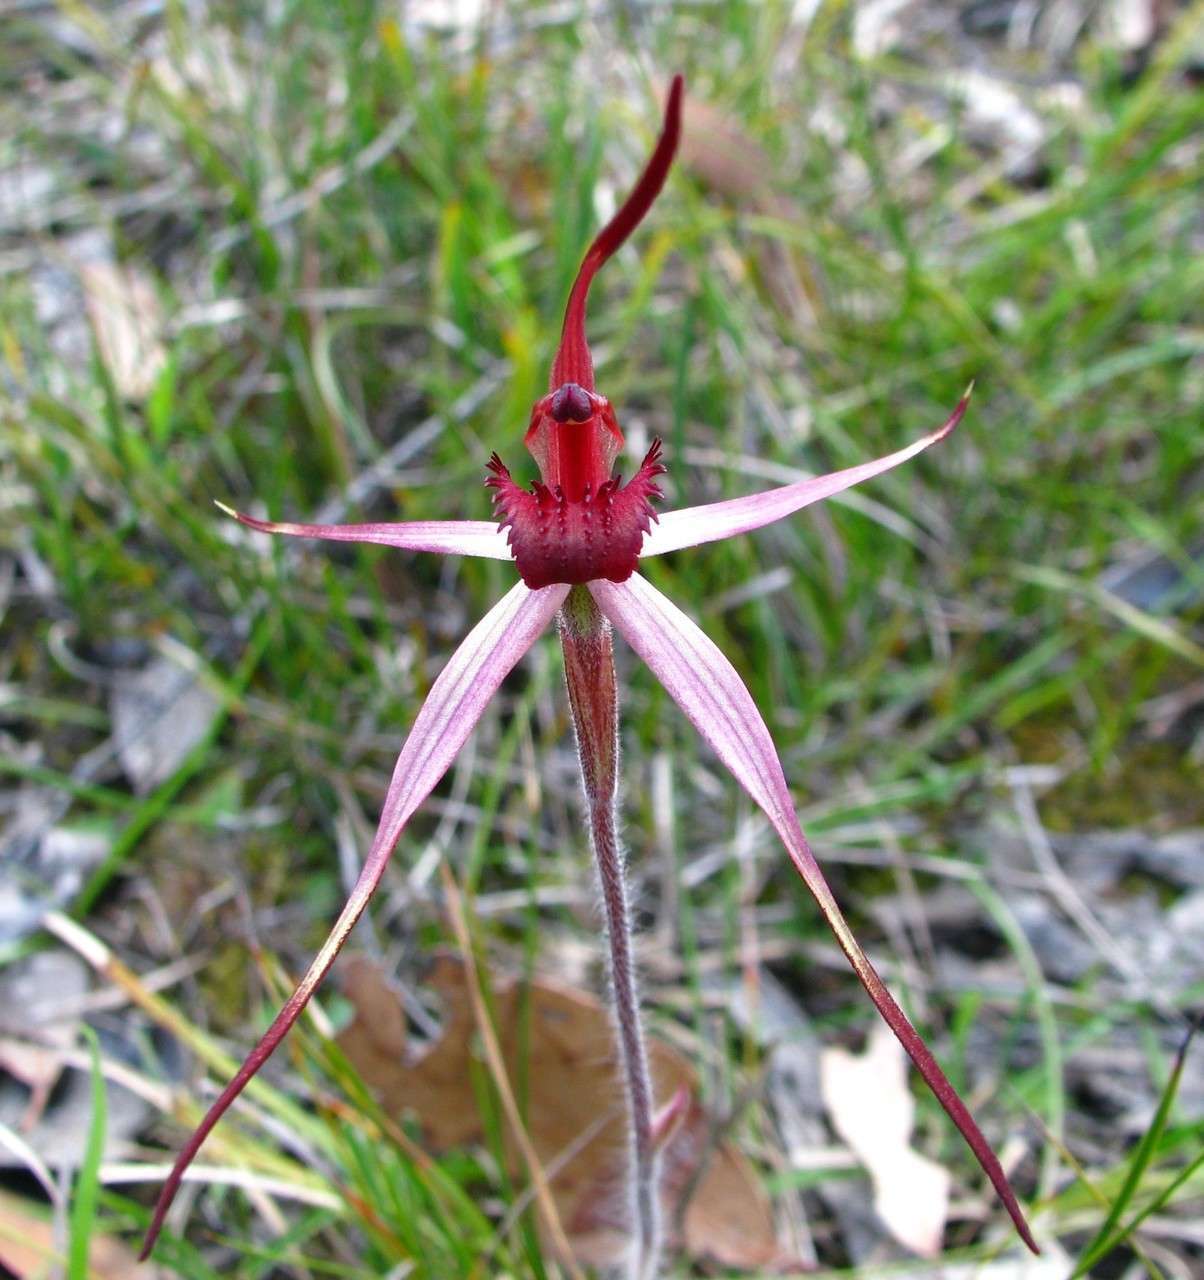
point(576, 538)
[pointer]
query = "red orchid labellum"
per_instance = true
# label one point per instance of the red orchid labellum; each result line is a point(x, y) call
point(576, 539)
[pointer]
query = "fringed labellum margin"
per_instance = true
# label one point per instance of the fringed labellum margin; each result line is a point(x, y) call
point(558, 538)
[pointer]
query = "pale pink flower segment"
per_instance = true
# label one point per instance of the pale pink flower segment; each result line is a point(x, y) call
point(580, 528)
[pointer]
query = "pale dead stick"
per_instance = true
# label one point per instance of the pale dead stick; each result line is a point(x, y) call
point(497, 1068)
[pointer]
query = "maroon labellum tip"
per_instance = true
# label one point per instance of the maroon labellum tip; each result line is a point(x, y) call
point(556, 539)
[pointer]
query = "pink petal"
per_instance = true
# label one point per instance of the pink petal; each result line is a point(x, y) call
point(693, 525)
point(452, 708)
point(450, 537)
point(707, 688)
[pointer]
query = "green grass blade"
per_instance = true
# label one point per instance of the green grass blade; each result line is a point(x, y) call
point(87, 1185)
point(1164, 1197)
point(1107, 1237)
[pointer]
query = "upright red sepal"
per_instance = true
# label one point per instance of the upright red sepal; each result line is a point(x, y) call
point(573, 362)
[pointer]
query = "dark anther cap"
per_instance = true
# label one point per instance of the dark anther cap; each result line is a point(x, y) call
point(571, 403)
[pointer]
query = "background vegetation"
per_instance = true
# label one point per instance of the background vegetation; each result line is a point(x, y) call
point(309, 258)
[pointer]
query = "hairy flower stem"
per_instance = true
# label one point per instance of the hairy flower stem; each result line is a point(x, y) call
point(593, 697)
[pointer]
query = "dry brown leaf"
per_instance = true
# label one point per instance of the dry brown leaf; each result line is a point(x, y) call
point(33, 1034)
point(873, 1110)
point(27, 1247)
point(725, 158)
point(560, 1040)
point(38, 1068)
point(722, 155)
